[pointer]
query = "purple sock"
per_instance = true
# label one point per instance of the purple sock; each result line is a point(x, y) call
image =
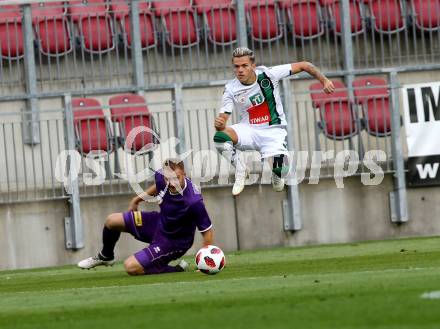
point(109, 239)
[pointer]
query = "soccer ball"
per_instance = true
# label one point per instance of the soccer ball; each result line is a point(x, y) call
point(210, 260)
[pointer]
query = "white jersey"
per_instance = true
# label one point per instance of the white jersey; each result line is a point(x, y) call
point(259, 104)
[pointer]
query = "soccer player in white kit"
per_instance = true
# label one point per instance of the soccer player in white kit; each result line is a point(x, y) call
point(262, 127)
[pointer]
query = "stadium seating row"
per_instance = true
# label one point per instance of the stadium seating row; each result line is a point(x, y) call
point(339, 119)
point(93, 21)
point(95, 133)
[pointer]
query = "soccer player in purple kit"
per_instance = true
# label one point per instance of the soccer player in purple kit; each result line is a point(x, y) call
point(170, 232)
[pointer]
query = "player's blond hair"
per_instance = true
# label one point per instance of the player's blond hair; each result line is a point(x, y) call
point(243, 51)
point(174, 163)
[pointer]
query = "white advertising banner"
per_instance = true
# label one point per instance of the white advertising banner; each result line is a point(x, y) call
point(421, 105)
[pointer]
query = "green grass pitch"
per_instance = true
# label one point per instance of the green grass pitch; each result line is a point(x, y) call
point(362, 285)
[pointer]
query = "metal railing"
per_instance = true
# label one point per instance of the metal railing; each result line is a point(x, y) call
point(321, 130)
point(111, 161)
point(325, 131)
point(83, 48)
point(28, 169)
point(39, 171)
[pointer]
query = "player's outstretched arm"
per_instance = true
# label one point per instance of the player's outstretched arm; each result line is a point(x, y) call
point(313, 71)
point(134, 203)
point(208, 237)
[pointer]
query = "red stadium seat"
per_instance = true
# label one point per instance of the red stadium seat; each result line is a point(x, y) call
point(264, 19)
point(338, 119)
point(121, 12)
point(94, 25)
point(51, 28)
point(219, 19)
point(11, 32)
point(386, 15)
point(334, 11)
point(372, 95)
point(131, 111)
point(91, 128)
point(426, 14)
point(304, 17)
point(178, 19)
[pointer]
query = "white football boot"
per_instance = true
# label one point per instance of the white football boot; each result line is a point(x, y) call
point(277, 183)
point(183, 265)
point(240, 178)
point(94, 261)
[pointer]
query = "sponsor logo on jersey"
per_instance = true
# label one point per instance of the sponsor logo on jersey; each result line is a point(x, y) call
point(259, 114)
point(239, 93)
point(256, 121)
point(265, 83)
point(256, 99)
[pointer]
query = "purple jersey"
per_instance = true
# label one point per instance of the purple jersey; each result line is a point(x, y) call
point(181, 213)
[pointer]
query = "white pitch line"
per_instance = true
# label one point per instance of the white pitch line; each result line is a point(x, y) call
point(431, 295)
point(158, 284)
point(12, 275)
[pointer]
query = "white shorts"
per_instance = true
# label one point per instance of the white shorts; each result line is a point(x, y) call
point(269, 141)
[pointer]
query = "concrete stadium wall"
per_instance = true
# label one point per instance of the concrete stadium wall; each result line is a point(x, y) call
point(32, 234)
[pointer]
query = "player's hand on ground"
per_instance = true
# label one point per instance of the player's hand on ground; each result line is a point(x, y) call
point(220, 123)
point(329, 87)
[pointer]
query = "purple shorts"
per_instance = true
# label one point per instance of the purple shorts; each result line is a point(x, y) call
point(154, 258)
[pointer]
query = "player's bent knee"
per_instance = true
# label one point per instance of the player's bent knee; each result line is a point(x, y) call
point(133, 267)
point(228, 135)
point(114, 221)
point(222, 137)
